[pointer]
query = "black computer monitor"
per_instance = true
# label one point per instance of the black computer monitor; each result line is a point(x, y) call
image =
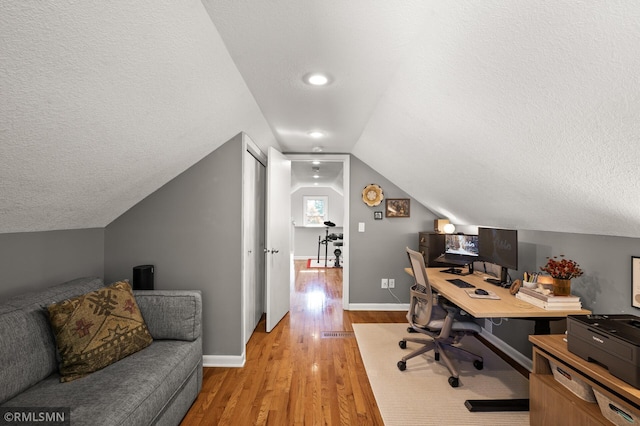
point(499, 246)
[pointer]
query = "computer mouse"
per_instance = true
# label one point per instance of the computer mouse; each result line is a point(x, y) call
point(481, 291)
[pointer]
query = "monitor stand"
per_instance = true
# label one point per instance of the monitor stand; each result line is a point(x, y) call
point(502, 282)
point(457, 271)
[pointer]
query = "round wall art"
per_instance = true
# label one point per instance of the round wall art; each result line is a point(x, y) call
point(372, 195)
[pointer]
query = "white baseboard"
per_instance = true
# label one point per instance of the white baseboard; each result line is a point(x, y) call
point(378, 307)
point(514, 354)
point(224, 360)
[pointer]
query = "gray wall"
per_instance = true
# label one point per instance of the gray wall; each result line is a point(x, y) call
point(190, 229)
point(605, 287)
point(34, 260)
point(379, 252)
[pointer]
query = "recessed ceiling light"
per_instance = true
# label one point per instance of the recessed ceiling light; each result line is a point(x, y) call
point(316, 79)
point(315, 162)
point(316, 134)
point(316, 176)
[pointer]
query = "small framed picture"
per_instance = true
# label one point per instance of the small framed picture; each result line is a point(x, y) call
point(377, 215)
point(635, 281)
point(398, 207)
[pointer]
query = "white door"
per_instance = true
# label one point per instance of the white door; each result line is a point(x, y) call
point(278, 251)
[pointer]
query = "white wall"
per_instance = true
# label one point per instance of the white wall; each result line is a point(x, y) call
point(305, 241)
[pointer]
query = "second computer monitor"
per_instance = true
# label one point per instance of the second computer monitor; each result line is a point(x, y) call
point(499, 246)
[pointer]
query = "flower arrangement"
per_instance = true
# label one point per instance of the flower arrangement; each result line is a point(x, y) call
point(563, 269)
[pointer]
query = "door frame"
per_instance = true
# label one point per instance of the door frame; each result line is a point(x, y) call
point(345, 159)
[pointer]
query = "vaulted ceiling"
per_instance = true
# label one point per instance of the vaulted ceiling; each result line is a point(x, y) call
point(519, 114)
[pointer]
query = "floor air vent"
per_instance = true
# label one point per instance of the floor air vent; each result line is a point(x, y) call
point(337, 334)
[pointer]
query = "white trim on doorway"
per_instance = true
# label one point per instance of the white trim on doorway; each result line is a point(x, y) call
point(346, 161)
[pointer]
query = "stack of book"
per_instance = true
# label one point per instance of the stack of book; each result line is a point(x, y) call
point(549, 301)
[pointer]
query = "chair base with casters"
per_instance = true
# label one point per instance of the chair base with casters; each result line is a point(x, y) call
point(440, 322)
point(440, 347)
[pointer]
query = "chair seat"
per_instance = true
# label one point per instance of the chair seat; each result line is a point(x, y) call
point(469, 326)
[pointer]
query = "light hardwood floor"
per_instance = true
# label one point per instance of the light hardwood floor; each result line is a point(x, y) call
point(294, 375)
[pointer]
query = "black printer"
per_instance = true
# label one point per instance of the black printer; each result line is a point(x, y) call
point(612, 341)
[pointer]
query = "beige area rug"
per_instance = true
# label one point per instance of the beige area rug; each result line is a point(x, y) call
point(421, 394)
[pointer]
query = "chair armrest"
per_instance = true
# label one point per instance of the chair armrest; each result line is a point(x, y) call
point(171, 314)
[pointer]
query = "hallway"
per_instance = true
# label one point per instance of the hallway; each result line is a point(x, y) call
point(295, 375)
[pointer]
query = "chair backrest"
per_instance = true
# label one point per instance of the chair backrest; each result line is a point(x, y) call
point(421, 306)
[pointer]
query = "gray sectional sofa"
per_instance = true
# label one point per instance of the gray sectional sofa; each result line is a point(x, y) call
point(156, 385)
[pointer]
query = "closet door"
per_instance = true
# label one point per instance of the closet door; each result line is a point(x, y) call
point(254, 204)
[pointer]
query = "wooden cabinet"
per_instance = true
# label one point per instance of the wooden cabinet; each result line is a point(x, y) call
point(431, 245)
point(551, 403)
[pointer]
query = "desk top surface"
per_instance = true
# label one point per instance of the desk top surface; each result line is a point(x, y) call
point(507, 307)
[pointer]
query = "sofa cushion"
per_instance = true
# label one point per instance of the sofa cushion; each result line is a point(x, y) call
point(97, 329)
point(171, 314)
point(134, 391)
point(27, 345)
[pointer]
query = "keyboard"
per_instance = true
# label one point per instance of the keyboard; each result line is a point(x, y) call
point(461, 283)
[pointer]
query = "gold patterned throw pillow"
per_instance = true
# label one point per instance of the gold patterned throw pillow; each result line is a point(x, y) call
point(97, 329)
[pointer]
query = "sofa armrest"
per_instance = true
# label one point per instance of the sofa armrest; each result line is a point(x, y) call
point(171, 314)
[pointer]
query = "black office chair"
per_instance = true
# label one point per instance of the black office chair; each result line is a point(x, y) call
point(442, 323)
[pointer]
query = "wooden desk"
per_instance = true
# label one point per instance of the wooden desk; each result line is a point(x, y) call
point(507, 307)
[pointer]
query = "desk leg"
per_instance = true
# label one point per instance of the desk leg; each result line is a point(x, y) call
point(541, 326)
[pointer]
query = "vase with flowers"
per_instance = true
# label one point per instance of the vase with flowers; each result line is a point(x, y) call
point(562, 271)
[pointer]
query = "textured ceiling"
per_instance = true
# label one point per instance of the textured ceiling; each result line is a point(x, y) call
point(360, 44)
point(519, 114)
point(104, 102)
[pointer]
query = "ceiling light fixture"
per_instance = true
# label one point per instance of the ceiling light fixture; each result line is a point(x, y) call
point(316, 134)
point(316, 79)
point(316, 176)
point(315, 162)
